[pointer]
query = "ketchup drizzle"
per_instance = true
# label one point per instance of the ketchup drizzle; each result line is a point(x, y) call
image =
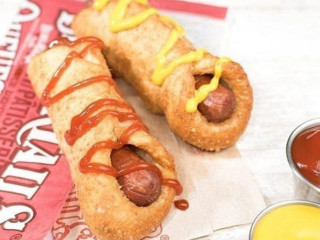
point(181, 204)
point(174, 184)
point(94, 43)
point(139, 166)
point(136, 126)
point(86, 166)
point(50, 100)
point(78, 129)
point(83, 122)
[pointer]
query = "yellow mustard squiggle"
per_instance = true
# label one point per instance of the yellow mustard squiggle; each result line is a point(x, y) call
point(100, 4)
point(202, 93)
point(162, 71)
point(118, 23)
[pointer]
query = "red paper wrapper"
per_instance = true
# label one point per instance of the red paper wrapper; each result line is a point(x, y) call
point(34, 176)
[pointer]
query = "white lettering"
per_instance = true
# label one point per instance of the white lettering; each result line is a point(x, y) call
point(6, 62)
point(16, 26)
point(34, 155)
point(7, 54)
point(4, 73)
point(28, 192)
point(37, 133)
point(32, 15)
point(43, 111)
point(11, 44)
point(1, 86)
point(8, 217)
point(13, 171)
point(64, 24)
point(14, 34)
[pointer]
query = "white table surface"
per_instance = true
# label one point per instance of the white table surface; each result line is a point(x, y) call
point(277, 43)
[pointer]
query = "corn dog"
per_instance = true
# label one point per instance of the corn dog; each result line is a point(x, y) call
point(121, 195)
point(207, 100)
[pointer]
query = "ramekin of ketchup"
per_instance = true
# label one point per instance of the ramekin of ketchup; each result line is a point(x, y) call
point(303, 153)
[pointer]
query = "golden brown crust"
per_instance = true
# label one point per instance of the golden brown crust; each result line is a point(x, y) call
point(109, 214)
point(131, 55)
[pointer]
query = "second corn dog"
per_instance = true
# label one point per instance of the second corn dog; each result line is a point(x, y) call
point(151, 52)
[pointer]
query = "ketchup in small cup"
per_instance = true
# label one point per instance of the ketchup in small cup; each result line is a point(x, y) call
point(305, 152)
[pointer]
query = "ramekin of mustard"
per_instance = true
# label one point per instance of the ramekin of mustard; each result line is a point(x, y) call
point(303, 154)
point(289, 220)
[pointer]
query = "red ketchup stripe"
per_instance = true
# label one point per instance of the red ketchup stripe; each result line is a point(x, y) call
point(94, 43)
point(80, 123)
point(86, 166)
point(174, 184)
point(196, 8)
point(137, 167)
point(132, 129)
point(78, 129)
point(50, 100)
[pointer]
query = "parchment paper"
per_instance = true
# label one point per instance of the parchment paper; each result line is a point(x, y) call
point(219, 186)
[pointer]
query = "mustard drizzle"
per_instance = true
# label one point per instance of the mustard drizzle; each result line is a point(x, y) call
point(202, 93)
point(118, 23)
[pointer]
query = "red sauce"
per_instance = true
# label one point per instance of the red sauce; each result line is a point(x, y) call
point(139, 166)
point(86, 120)
point(136, 126)
point(93, 43)
point(85, 166)
point(305, 152)
point(181, 204)
point(174, 184)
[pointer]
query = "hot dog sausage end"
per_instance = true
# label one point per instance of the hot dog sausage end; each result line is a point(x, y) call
point(141, 187)
point(220, 104)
